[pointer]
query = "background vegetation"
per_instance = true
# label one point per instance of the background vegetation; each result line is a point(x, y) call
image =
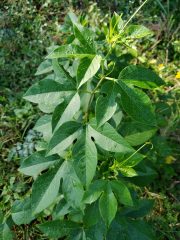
point(27, 28)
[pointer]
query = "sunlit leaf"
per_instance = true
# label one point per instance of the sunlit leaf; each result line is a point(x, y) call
point(109, 139)
point(106, 105)
point(85, 158)
point(64, 137)
point(65, 111)
point(137, 31)
point(87, 68)
point(48, 94)
point(36, 163)
point(44, 67)
point(69, 51)
point(43, 125)
point(46, 188)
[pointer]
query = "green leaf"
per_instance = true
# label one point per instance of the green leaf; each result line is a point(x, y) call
point(1, 216)
point(136, 133)
point(129, 160)
point(48, 94)
point(72, 187)
point(62, 76)
point(122, 192)
point(5, 232)
point(106, 105)
point(85, 37)
point(124, 228)
point(43, 125)
point(140, 77)
point(78, 235)
point(127, 171)
point(64, 137)
point(36, 163)
point(141, 208)
point(108, 205)
point(107, 138)
point(85, 158)
point(116, 118)
point(137, 31)
point(96, 232)
point(58, 228)
point(22, 212)
point(94, 191)
point(76, 215)
point(87, 68)
point(137, 104)
point(46, 188)
point(73, 18)
point(92, 215)
point(65, 111)
point(44, 67)
point(62, 208)
point(69, 51)
point(116, 24)
point(140, 230)
point(143, 172)
point(51, 48)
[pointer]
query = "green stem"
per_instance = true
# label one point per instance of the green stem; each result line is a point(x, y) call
point(92, 95)
point(147, 143)
point(112, 79)
point(134, 14)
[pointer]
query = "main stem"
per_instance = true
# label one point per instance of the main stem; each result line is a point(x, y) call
point(92, 95)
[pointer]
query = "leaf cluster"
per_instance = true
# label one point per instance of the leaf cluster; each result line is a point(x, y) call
point(84, 167)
